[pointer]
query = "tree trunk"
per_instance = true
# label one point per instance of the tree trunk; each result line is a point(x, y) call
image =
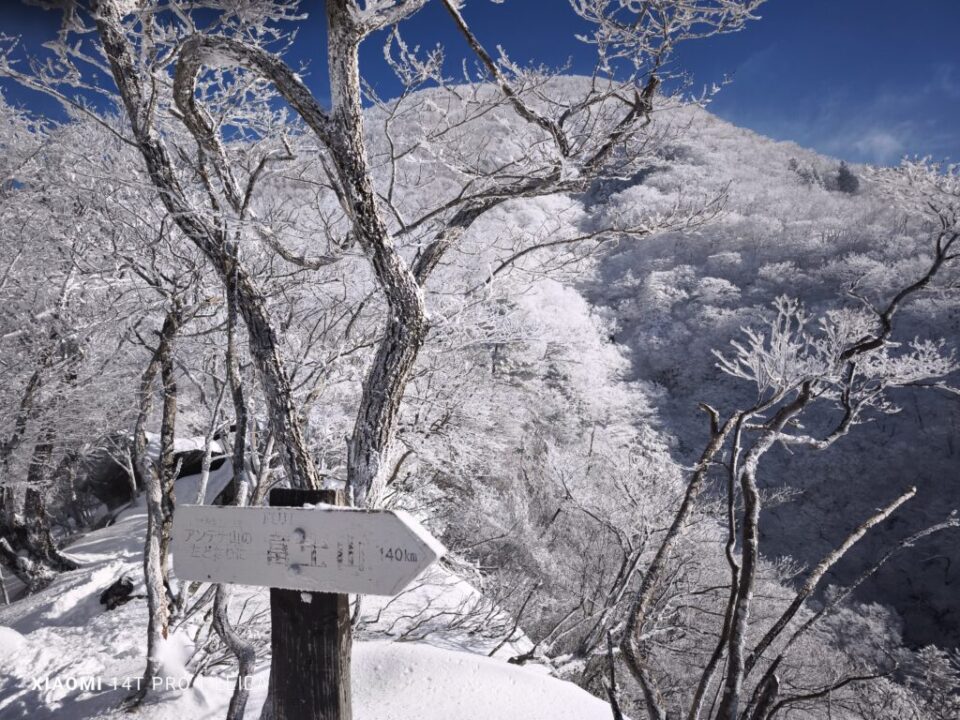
point(309, 631)
point(750, 555)
point(168, 468)
point(40, 542)
point(371, 444)
point(33, 575)
point(159, 495)
point(242, 649)
point(27, 407)
point(207, 459)
point(29, 545)
point(3, 588)
point(730, 702)
point(643, 600)
point(816, 575)
point(210, 240)
point(729, 551)
point(236, 493)
point(769, 691)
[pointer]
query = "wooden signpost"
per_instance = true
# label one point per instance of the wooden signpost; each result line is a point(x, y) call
point(310, 557)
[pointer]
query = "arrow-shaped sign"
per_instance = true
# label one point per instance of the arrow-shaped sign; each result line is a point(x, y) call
point(321, 549)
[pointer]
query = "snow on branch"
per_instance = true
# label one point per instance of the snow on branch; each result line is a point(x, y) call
point(644, 34)
point(379, 14)
point(781, 356)
point(410, 69)
point(212, 50)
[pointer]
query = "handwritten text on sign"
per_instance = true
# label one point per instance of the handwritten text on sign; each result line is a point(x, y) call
point(323, 549)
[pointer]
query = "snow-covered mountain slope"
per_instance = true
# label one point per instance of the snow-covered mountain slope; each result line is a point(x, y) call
point(567, 390)
point(788, 226)
point(64, 656)
point(787, 229)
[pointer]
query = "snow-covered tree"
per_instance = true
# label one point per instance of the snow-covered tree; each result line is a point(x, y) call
point(849, 363)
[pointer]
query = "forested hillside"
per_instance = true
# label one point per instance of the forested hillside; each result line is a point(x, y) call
point(790, 229)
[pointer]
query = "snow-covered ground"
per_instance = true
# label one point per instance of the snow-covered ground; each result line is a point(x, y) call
point(64, 656)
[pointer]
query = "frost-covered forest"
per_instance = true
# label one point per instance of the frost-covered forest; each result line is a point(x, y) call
point(680, 401)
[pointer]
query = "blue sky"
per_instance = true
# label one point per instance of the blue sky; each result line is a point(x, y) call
point(864, 80)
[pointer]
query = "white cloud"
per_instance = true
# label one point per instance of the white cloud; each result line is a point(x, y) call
point(881, 146)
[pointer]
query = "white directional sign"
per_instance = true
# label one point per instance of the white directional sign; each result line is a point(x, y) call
point(321, 549)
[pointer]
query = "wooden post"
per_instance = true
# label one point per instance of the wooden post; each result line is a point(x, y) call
point(310, 640)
